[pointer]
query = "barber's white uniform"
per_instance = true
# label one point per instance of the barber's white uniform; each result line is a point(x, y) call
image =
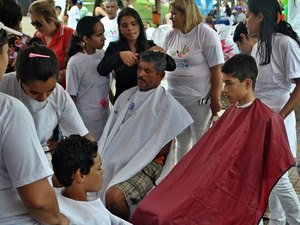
point(22, 160)
point(194, 53)
point(90, 89)
point(273, 87)
point(139, 126)
point(87, 212)
point(58, 108)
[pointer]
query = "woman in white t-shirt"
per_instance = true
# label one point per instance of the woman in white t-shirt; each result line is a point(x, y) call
point(23, 165)
point(88, 90)
point(197, 81)
point(35, 84)
point(277, 54)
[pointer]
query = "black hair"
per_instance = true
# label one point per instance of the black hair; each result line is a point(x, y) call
point(3, 39)
point(73, 153)
point(11, 14)
point(58, 7)
point(158, 59)
point(241, 66)
point(120, 4)
point(98, 3)
point(85, 27)
point(227, 10)
point(270, 9)
point(36, 68)
point(240, 29)
point(36, 40)
point(142, 43)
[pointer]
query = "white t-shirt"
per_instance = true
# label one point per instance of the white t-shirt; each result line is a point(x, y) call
point(194, 53)
point(111, 30)
point(91, 89)
point(22, 160)
point(274, 82)
point(293, 15)
point(87, 212)
point(58, 108)
point(73, 17)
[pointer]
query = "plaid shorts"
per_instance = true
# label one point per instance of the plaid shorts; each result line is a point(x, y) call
point(136, 187)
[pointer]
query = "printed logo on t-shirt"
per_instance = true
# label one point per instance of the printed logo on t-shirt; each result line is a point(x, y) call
point(180, 53)
point(179, 57)
point(113, 32)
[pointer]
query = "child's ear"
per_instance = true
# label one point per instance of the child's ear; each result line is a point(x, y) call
point(243, 37)
point(78, 176)
point(248, 83)
point(260, 16)
point(85, 39)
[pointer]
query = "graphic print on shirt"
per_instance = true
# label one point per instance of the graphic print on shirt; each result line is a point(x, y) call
point(113, 32)
point(180, 57)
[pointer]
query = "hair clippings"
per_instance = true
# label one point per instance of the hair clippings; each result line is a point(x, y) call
point(280, 17)
point(34, 55)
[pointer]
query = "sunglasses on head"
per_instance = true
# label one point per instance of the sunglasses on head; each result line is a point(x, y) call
point(37, 24)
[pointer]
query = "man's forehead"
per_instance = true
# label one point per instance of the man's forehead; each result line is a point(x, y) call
point(146, 63)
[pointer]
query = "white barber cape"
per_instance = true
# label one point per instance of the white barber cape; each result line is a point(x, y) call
point(140, 124)
point(87, 212)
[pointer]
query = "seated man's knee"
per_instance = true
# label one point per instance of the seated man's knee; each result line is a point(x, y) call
point(114, 196)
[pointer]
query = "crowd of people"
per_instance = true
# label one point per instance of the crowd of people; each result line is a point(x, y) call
point(94, 153)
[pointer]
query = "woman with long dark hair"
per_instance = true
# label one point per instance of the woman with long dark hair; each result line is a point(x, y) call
point(98, 10)
point(122, 56)
point(277, 55)
point(88, 90)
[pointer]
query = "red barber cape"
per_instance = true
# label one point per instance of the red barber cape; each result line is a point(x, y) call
point(227, 176)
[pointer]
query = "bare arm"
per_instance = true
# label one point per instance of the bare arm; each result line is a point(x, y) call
point(216, 88)
point(40, 199)
point(292, 102)
point(99, 11)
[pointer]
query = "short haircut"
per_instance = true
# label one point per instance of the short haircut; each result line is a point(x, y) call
point(241, 66)
point(36, 68)
point(58, 7)
point(157, 58)
point(240, 29)
point(73, 153)
point(109, 1)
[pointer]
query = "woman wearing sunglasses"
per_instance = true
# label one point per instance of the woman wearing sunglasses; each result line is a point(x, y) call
point(55, 35)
